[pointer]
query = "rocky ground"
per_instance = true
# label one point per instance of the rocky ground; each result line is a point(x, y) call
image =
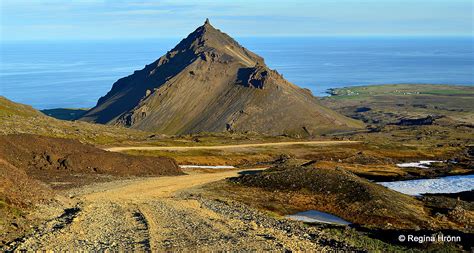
point(33, 167)
point(47, 200)
point(166, 214)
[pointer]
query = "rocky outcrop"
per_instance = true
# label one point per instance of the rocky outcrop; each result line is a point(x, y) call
point(254, 77)
point(429, 120)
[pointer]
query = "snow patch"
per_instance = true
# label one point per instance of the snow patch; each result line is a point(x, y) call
point(451, 184)
point(420, 164)
point(206, 167)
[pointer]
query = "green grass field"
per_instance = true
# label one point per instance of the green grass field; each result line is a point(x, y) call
point(389, 103)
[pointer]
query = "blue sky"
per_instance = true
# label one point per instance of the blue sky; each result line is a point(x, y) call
point(112, 19)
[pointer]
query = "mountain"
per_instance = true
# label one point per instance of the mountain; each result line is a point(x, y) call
point(210, 83)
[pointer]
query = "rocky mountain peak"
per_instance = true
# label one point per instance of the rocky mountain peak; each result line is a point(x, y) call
point(210, 83)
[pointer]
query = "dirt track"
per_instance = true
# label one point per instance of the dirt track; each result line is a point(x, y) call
point(155, 214)
point(118, 149)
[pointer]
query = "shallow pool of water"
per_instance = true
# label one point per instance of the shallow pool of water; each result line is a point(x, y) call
point(313, 216)
point(450, 184)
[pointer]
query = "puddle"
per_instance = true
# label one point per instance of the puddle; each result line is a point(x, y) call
point(313, 216)
point(450, 184)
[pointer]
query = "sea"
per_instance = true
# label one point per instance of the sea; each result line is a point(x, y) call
point(74, 74)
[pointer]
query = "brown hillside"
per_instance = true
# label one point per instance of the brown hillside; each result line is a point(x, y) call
point(210, 83)
point(18, 190)
point(19, 193)
point(48, 159)
point(342, 193)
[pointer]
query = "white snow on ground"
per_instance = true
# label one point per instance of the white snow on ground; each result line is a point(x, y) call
point(206, 167)
point(451, 184)
point(420, 164)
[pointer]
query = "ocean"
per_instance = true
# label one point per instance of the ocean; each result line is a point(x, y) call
point(75, 74)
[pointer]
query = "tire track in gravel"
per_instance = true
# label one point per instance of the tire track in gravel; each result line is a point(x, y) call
point(98, 226)
point(151, 225)
point(143, 227)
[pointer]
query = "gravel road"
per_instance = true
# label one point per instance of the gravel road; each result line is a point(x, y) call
point(163, 214)
point(251, 145)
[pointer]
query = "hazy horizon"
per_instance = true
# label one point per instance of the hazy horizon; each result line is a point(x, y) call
point(179, 38)
point(27, 20)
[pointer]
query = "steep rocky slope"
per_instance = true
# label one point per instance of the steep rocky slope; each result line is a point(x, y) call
point(210, 83)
